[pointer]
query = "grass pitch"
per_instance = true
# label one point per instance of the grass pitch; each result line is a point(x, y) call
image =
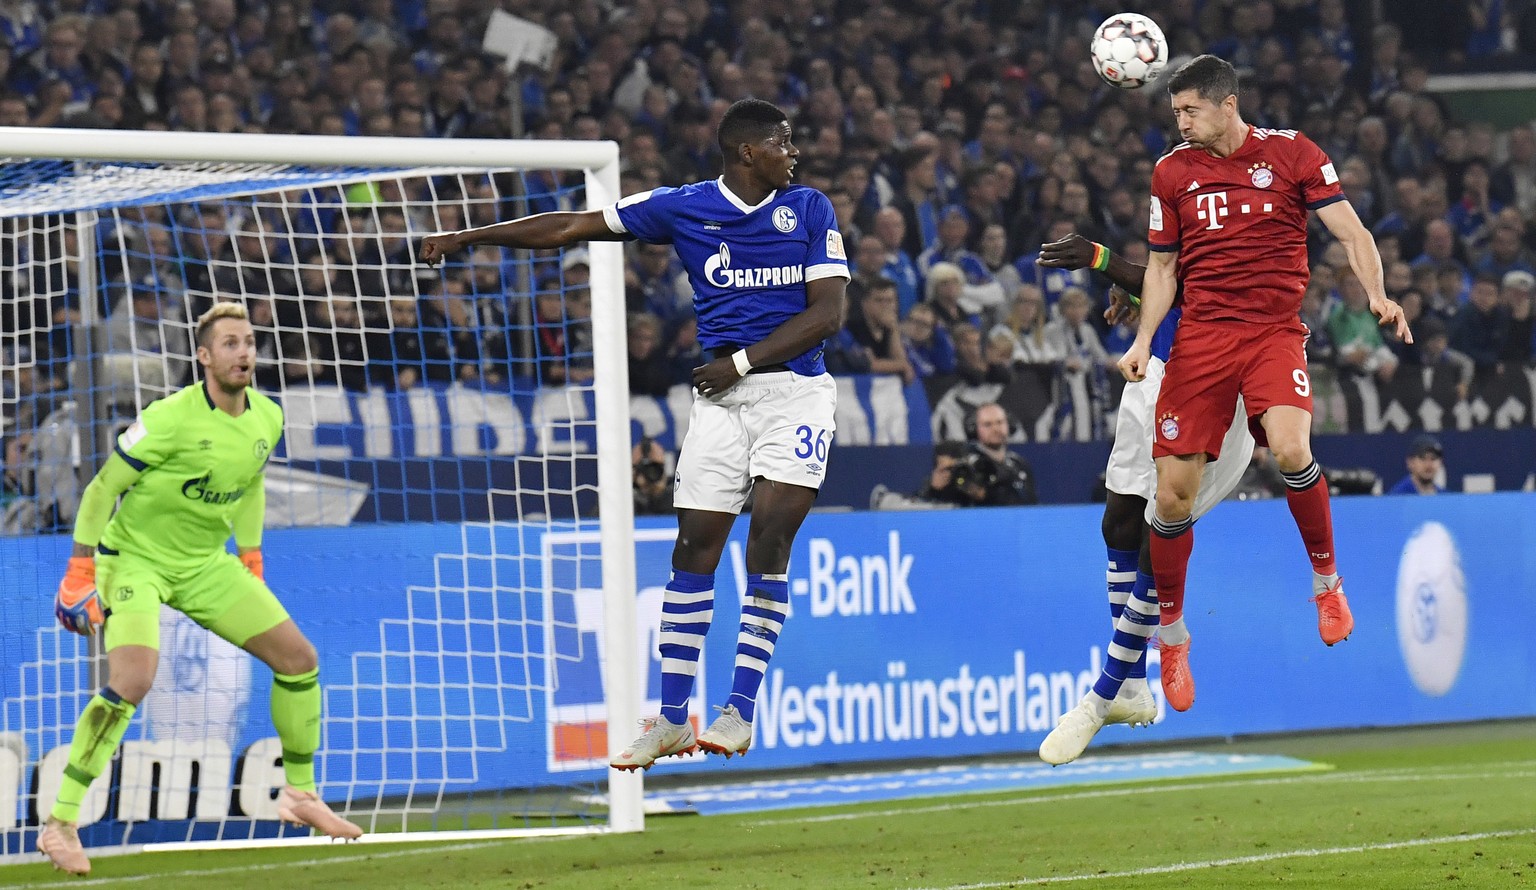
point(1446, 806)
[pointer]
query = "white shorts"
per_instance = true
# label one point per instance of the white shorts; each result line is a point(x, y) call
point(777, 425)
point(1131, 470)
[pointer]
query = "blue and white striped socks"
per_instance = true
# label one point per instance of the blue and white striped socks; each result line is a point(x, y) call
point(1127, 653)
point(686, 611)
point(762, 618)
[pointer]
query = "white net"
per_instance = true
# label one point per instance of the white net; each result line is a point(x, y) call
point(441, 427)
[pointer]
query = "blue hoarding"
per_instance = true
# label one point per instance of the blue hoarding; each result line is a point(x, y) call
point(465, 657)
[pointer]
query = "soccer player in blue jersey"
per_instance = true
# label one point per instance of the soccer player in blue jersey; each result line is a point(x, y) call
point(1121, 694)
point(769, 275)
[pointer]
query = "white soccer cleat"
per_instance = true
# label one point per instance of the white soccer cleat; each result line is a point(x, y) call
point(60, 842)
point(306, 810)
point(728, 735)
point(1134, 705)
point(661, 738)
point(1072, 734)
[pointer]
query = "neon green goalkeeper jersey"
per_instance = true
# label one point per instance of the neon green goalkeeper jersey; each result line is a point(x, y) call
point(197, 463)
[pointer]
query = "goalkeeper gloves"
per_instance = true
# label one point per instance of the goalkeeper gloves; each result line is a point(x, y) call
point(252, 561)
point(77, 606)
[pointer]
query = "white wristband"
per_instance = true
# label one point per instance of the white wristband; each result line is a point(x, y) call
point(739, 359)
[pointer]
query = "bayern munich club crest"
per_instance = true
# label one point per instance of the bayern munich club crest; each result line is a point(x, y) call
point(1169, 426)
point(1261, 175)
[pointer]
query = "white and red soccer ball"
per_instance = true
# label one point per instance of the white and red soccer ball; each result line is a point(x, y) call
point(1129, 50)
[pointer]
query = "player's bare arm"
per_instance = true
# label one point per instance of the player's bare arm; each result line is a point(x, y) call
point(1365, 260)
point(1077, 252)
point(1157, 293)
point(826, 308)
point(542, 230)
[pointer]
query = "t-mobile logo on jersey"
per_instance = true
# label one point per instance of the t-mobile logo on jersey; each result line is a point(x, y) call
point(1213, 208)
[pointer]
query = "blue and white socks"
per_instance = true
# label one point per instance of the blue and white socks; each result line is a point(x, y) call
point(686, 611)
point(762, 618)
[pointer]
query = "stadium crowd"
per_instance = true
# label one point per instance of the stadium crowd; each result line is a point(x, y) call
point(952, 138)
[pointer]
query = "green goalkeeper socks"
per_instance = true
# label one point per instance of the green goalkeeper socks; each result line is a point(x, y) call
point(97, 732)
point(296, 714)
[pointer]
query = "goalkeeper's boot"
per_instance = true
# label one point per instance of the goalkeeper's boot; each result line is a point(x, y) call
point(662, 738)
point(1134, 705)
point(728, 735)
point(1334, 621)
point(1074, 731)
point(305, 808)
point(1178, 682)
point(60, 842)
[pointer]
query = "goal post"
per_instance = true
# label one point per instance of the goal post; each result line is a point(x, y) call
point(468, 493)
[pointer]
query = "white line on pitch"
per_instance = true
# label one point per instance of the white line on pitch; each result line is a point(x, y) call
point(1248, 860)
point(1364, 777)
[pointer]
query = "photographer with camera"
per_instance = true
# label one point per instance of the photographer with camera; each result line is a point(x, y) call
point(990, 475)
point(652, 482)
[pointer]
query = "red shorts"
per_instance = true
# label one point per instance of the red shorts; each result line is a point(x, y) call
point(1214, 362)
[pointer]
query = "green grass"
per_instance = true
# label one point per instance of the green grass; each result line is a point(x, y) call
point(1395, 812)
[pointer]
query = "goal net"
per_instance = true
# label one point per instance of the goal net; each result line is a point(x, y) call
point(449, 513)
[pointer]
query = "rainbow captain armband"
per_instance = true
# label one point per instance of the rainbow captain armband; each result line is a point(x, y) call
point(77, 605)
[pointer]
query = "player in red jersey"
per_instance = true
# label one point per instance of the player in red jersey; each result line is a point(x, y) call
point(1229, 219)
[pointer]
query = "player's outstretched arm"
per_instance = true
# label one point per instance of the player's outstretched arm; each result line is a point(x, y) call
point(542, 230)
point(826, 308)
point(1365, 260)
point(1077, 252)
point(1157, 293)
point(76, 604)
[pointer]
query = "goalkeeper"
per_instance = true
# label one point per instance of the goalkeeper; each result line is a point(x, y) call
point(189, 471)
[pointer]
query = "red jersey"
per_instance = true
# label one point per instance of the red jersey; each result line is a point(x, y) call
point(1239, 223)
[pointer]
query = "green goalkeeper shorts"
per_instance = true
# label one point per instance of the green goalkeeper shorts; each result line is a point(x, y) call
point(221, 595)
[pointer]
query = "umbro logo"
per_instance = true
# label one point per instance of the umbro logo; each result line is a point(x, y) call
point(204, 444)
point(1192, 186)
point(711, 226)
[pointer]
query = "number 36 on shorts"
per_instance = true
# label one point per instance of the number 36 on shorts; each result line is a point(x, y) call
point(812, 441)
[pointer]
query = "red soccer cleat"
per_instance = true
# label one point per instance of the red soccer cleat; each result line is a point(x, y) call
point(1334, 621)
point(1178, 683)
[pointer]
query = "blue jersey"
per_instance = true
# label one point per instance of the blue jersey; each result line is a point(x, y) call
point(749, 265)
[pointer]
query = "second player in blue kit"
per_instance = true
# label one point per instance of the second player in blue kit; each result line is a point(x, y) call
point(769, 274)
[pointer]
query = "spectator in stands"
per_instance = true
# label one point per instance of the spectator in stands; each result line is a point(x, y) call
point(1506, 253)
point(979, 292)
point(918, 203)
point(341, 342)
point(683, 350)
point(1481, 328)
point(930, 351)
point(652, 479)
point(657, 284)
point(303, 363)
point(899, 267)
point(1426, 467)
point(1084, 366)
point(1435, 354)
point(144, 322)
point(945, 284)
point(1357, 342)
point(1517, 296)
point(875, 328)
point(650, 373)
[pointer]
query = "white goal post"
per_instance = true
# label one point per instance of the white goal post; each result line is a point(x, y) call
point(106, 179)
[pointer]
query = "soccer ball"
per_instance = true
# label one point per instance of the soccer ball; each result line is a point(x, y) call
point(1129, 50)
